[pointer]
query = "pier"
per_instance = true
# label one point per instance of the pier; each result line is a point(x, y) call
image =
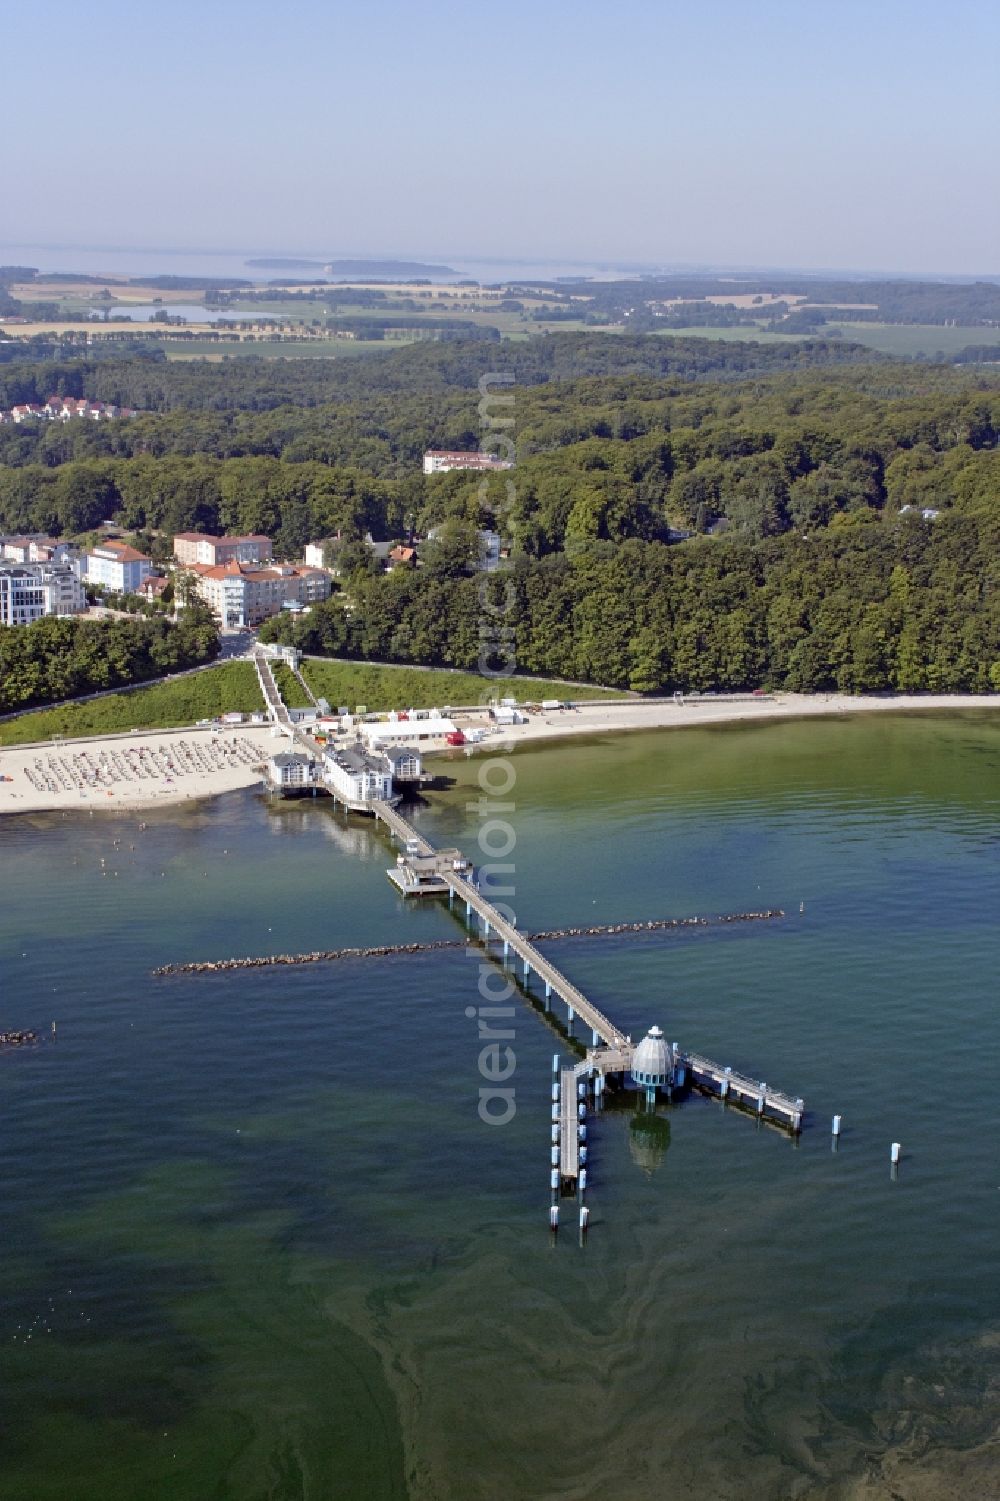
point(752, 1094)
point(653, 1064)
point(612, 1052)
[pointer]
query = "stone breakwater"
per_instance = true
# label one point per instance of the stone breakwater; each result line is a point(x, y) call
point(18, 1039)
point(396, 950)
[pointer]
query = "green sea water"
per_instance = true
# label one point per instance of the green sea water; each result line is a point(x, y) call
point(259, 1246)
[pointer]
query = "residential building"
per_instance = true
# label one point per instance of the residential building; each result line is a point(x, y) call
point(213, 552)
point(315, 552)
point(36, 549)
point(441, 460)
point(63, 408)
point(401, 557)
point(16, 549)
point(116, 566)
point(30, 590)
point(241, 595)
point(152, 586)
point(314, 585)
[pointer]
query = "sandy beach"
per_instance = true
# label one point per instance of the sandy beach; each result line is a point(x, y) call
point(156, 768)
point(143, 770)
point(591, 719)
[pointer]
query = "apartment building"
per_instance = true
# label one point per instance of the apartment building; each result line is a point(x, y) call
point(116, 566)
point(30, 590)
point(239, 594)
point(442, 460)
point(213, 552)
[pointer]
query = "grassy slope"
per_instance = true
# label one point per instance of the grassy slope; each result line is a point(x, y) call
point(378, 687)
point(184, 700)
point(289, 687)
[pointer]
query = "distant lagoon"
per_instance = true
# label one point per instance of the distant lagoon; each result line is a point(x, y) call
point(118, 261)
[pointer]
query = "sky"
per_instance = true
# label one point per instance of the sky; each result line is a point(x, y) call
point(791, 133)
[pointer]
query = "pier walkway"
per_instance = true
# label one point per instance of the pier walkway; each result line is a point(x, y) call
point(752, 1094)
point(495, 925)
point(403, 830)
point(569, 1133)
point(553, 979)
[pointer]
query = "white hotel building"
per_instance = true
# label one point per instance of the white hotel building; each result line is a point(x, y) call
point(443, 460)
point(241, 594)
point(30, 590)
point(118, 567)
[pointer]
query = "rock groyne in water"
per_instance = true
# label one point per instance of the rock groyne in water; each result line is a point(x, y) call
point(396, 950)
point(18, 1039)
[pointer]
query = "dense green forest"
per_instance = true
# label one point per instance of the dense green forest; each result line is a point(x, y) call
point(910, 607)
point(800, 471)
point(604, 459)
point(157, 384)
point(61, 658)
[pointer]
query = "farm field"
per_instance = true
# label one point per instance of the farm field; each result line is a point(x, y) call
point(75, 299)
point(381, 687)
point(178, 701)
point(728, 334)
point(509, 323)
point(95, 329)
point(905, 339)
point(918, 338)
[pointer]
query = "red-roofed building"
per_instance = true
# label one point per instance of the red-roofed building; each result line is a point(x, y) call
point(152, 586)
point(240, 594)
point(116, 566)
point(202, 547)
point(440, 460)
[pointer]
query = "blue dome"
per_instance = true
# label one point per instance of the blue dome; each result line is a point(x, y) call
point(653, 1061)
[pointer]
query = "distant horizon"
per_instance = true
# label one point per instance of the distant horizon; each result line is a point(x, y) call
point(718, 136)
point(624, 267)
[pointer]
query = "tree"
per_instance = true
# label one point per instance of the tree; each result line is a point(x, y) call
point(648, 657)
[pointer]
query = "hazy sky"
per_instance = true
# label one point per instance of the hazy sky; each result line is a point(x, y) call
point(765, 132)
